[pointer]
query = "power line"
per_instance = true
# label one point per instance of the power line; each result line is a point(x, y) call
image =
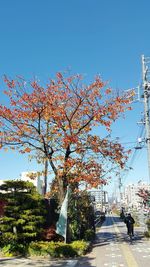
point(137, 151)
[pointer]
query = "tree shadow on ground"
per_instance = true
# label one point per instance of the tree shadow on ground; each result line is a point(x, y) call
point(109, 221)
point(87, 261)
point(104, 238)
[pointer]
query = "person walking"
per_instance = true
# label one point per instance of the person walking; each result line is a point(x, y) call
point(129, 220)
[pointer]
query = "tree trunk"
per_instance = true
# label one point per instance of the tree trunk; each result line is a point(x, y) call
point(61, 192)
point(45, 176)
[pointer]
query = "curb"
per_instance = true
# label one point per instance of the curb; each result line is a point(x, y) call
point(72, 263)
point(68, 263)
point(9, 258)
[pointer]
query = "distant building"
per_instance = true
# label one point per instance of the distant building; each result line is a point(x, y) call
point(99, 197)
point(130, 196)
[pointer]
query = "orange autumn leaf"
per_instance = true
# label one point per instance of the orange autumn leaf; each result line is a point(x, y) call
point(56, 122)
point(28, 150)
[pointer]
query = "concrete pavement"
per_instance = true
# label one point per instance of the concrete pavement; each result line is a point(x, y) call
point(113, 248)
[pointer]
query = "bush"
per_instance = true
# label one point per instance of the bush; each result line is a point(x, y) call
point(148, 224)
point(147, 234)
point(8, 238)
point(14, 249)
point(38, 248)
point(80, 215)
point(58, 249)
point(89, 235)
point(64, 250)
point(80, 246)
point(24, 213)
point(41, 248)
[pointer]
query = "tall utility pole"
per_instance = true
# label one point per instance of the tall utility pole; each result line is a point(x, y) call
point(146, 90)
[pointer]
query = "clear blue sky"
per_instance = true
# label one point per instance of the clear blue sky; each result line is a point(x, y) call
point(40, 37)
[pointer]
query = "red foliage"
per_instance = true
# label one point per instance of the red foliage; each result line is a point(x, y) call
point(144, 194)
point(56, 120)
point(50, 234)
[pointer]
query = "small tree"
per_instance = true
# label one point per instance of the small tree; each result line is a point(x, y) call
point(57, 121)
point(24, 213)
point(80, 216)
point(145, 196)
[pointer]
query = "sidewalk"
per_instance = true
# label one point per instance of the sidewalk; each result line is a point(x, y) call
point(90, 260)
point(87, 261)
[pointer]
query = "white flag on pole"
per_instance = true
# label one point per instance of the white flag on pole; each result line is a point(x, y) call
point(61, 226)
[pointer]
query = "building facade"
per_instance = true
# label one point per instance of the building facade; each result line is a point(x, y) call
point(99, 197)
point(130, 196)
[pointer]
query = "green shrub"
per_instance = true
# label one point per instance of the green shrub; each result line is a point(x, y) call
point(64, 250)
point(54, 249)
point(8, 238)
point(89, 235)
point(41, 248)
point(80, 247)
point(14, 249)
point(24, 213)
point(148, 224)
point(80, 215)
point(147, 234)
point(38, 248)
point(58, 249)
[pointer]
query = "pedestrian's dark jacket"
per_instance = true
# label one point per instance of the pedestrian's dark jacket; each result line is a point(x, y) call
point(130, 224)
point(129, 220)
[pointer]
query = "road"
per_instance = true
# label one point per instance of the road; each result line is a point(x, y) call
point(113, 248)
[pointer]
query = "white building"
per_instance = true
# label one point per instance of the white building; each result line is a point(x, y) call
point(130, 196)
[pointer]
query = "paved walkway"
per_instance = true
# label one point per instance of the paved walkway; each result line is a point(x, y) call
point(113, 248)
